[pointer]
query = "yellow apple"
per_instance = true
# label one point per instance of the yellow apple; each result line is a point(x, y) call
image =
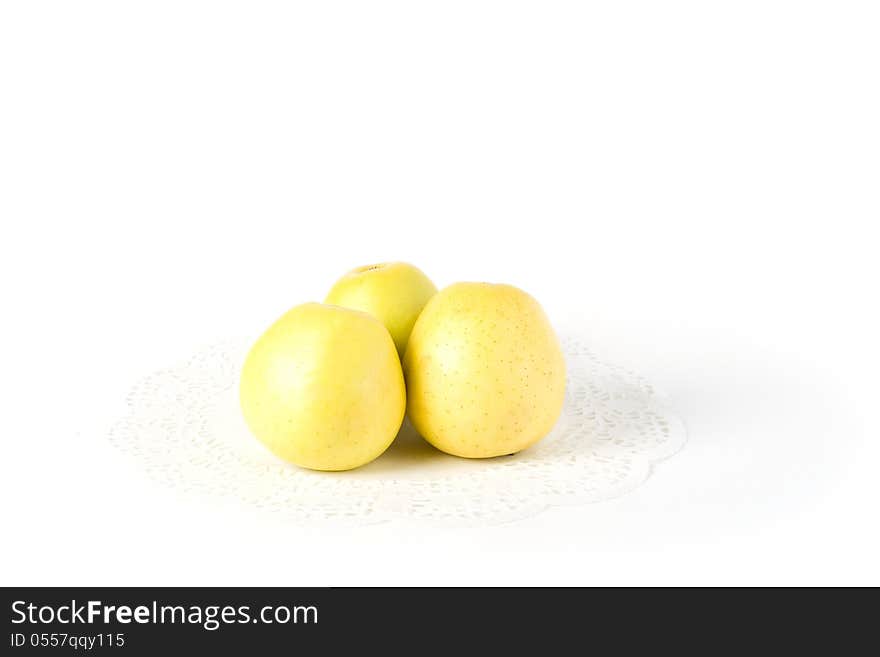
point(393, 292)
point(323, 388)
point(484, 371)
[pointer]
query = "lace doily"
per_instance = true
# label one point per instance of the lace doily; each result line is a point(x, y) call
point(185, 427)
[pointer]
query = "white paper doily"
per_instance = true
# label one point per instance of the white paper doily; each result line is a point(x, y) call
point(185, 427)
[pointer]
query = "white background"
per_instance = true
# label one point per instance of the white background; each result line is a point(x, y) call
point(691, 185)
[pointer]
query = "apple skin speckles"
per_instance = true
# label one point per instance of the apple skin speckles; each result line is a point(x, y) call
point(323, 388)
point(485, 357)
point(392, 292)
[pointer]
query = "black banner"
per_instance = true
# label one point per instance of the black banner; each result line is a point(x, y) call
point(135, 621)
